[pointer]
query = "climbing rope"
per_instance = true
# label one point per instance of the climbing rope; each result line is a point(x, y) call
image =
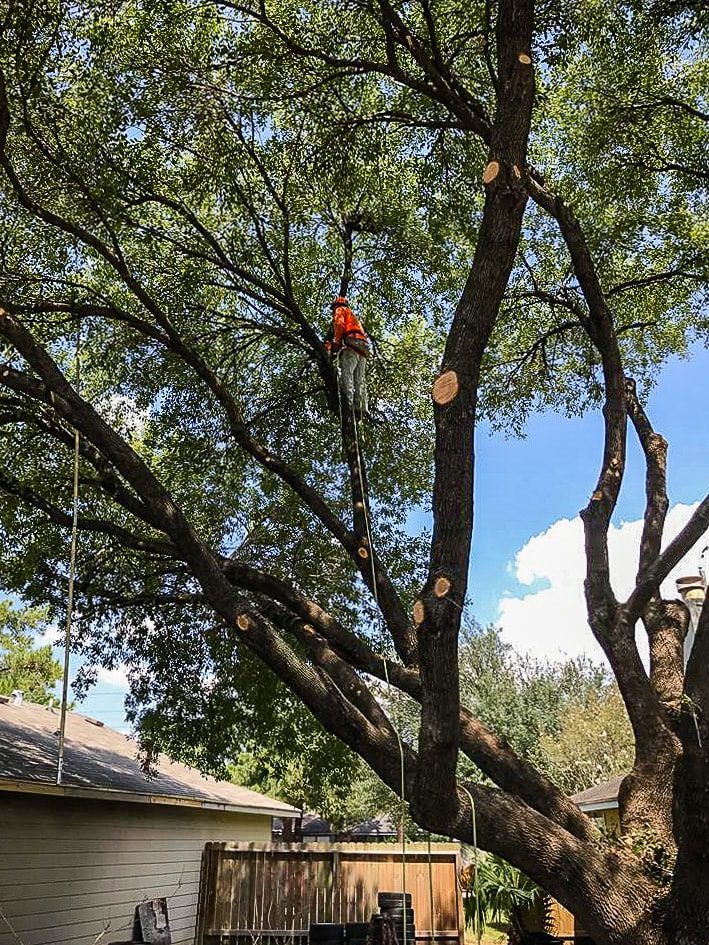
point(477, 929)
point(72, 577)
point(400, 744)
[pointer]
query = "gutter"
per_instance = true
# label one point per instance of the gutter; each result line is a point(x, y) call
point(599, 805)
point(50, 789)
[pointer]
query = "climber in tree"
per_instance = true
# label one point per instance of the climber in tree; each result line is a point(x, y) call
point(350, 346)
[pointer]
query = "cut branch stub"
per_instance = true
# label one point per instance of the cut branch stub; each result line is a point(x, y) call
point(441, 587)
point(419, 613)
point(242, 622)
point(446, 388)
point(362, 552)
point(525, 59)
point(491, 172)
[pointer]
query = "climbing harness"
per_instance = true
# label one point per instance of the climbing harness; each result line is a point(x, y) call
point(72, 575)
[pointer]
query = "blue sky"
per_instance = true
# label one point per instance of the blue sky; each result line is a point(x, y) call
point(525, 486)
point(535, 487)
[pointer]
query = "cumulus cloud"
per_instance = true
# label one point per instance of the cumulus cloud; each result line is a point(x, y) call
point(117, 676)
point(50, 636)
point(549, 620)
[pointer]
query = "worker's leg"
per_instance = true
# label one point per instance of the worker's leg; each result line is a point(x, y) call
point(360, 385)
point(348, 365)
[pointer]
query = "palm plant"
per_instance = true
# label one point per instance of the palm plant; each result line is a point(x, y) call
point(499, 894)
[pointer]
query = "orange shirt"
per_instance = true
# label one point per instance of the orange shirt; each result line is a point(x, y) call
point(345, 322)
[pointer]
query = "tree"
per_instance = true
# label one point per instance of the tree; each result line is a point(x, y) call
point(513, 193)
point(24, 666)
point(565, 717)
point(594, 743)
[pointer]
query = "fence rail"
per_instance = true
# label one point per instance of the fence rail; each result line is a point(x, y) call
point(261, 891)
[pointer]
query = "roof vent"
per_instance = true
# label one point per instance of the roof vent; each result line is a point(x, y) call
point(91, 721)
point(17, 697)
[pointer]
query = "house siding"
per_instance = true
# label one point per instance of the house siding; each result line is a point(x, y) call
point(70, 869)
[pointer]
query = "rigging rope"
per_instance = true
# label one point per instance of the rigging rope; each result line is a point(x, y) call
point(72, 576)
point(430, 887)
point(383, 658)
point(477, 930)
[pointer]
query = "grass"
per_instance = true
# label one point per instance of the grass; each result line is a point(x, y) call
point(493, 935)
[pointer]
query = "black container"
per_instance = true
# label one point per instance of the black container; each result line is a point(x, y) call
point(356, 932)
point(327, 933)
point(388, 899)
point(397, 913)
point(410, 933)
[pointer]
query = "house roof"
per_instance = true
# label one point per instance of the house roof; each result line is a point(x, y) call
point(599, 797)
point(381, 826)
point(100, 762)
point(312, 825)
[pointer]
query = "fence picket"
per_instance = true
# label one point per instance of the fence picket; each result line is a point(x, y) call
point(268, 894)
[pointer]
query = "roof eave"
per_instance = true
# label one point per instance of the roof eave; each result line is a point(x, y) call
point(48, 788)
point(599, 805)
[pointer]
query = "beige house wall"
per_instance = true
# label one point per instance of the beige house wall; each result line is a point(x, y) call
point(70, 869)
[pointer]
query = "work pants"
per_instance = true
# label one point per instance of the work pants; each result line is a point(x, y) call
point(353, 369)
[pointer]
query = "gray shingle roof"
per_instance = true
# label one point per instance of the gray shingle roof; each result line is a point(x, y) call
point(605, 793)
point(97, 759)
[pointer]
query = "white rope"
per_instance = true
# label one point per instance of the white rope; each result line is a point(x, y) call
point(72, 579)
point(383, 658)
point(477, 930)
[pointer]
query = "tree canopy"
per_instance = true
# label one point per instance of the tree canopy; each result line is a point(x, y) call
point(24, 666)
point(512, 194)
point(565, 716)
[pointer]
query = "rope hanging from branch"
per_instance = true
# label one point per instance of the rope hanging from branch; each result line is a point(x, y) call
point(383, 657)
point(72, 575)
point(477, 925)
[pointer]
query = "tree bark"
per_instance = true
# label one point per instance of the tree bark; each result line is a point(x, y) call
point(439, 613)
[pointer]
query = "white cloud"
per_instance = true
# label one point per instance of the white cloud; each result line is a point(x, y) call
point(51, 636)
point(117, 676)
point(550, 621)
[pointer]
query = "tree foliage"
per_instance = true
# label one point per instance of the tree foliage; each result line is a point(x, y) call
point(500, 895)
point(24, 666)
point(566, 717)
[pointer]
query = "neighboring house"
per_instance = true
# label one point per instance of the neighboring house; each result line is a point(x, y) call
point(601, 800)
point(315, 829)
point(377, 828)
point(76, 858)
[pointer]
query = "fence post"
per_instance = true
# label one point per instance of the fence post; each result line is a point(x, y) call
point(204, 884)
point(336, 888)
point(459, 898)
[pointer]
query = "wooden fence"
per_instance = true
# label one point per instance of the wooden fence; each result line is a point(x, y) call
point(272, 891)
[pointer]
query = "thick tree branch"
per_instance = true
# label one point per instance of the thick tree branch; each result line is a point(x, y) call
point(493, 756)
point(455, 403)
point(665, 621)
point(656, 573)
